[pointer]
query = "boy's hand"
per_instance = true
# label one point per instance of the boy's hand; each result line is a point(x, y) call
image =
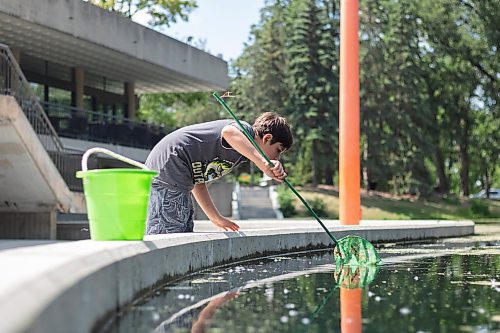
point(225, 224)
point(277, 173)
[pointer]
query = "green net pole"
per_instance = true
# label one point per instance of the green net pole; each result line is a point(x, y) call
point(224, 105)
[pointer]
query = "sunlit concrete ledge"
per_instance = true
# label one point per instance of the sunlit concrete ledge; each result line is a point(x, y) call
point(57, 286)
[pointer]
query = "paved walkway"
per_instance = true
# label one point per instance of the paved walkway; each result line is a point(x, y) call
point(255, 203)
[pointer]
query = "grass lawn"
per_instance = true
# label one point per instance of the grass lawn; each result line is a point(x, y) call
point(383, 206)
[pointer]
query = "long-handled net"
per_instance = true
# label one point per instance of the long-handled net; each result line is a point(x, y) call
point(349, 250)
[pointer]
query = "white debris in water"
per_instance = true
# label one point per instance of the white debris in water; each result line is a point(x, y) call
point(408, 269)
point(293, 313)
point(286, 291)
point(405, 311)
point(155, 316)
point(378, 298)
point(481, 311)
point(306, 321)
point(289, 306)
point(181, 296)
point(264, 271)
point(370, 294)
point(415, 278)
point(284, 319)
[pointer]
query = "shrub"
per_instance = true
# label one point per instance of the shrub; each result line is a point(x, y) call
point(319, 207)
point(286, 200)
point(479, 207)
point(246, 179)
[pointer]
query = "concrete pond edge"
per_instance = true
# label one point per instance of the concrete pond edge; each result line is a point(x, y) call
point(77, 286)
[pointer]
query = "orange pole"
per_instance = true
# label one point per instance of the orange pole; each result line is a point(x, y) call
point(349, 163)
point(350, 310)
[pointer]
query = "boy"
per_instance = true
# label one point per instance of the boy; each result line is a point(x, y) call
point(191, 156)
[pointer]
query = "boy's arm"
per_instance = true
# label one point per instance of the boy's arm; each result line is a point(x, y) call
point(203, 198)
point(238, 141)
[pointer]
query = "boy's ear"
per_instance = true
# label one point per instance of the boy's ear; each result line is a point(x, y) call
point(267, 138)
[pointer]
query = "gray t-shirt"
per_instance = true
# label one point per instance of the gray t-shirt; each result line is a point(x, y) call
point(195, 154)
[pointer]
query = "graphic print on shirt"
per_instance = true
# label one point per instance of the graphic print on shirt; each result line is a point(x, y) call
point(208, 171)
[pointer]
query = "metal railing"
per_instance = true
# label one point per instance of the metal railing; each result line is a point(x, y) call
point(88, 125)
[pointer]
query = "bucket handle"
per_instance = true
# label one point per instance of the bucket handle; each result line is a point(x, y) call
point(112, 154)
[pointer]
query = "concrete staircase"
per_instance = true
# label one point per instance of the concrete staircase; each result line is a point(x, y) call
point(32, 189)
point(255, 203)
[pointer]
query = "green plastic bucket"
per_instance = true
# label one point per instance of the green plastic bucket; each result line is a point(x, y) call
point(117, 199)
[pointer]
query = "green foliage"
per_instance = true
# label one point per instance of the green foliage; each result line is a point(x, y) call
point(286, 200)
point(160, 12)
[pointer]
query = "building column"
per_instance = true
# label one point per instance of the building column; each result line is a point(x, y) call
point(130, 97)
point(78, 83)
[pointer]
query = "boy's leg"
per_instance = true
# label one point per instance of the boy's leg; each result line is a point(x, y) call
point(169, 210)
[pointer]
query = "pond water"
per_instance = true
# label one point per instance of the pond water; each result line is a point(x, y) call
point(418, 289)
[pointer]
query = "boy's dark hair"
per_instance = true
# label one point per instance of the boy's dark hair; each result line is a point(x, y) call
point(273, 123)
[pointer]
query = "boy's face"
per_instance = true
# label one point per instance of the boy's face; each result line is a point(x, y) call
point(272, 150)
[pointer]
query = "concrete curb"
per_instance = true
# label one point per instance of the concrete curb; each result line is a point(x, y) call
point(72, 286)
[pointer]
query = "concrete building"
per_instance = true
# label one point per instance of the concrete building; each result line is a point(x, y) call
point(70, 74)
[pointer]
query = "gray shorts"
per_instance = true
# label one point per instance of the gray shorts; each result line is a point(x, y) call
point(169, 210)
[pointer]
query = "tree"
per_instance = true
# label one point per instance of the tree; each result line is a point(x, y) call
point(160, 12)
point(259, 81)
point(312, 53)
point(429, 89)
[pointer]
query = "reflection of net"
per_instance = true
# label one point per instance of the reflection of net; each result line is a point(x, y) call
point(355, 251)
point(352, 277)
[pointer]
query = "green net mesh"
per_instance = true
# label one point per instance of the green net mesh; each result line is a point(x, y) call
point(355, 251)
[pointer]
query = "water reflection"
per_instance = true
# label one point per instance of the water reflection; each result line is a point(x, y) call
point(200, 324)
point(350, 280)
point(457, 293)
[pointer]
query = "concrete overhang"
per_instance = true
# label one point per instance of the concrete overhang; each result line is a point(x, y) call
point(74, 33)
